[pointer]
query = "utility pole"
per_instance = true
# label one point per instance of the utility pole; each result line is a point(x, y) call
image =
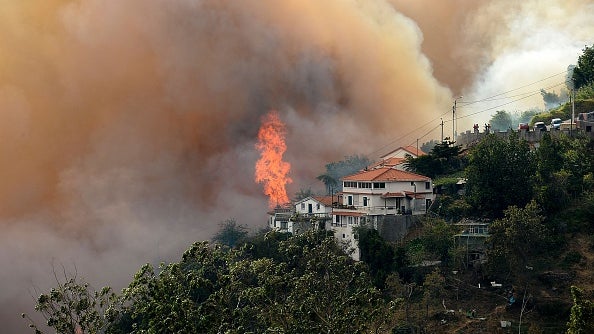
point(454, 118)
point(572, 111)
point(454, 121)
point(442, 129)
point(417, 153)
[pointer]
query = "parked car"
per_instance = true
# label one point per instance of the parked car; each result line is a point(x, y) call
point(556, 123)
point(540, 126)
point(523, 126)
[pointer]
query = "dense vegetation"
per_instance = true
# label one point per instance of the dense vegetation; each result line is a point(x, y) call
point(538, 204)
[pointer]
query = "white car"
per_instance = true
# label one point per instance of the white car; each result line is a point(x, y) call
point(556, 123)
point(540, 126)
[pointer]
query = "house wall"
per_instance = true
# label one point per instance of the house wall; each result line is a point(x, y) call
point(375, 202)
point(317, 207)
point(345, 236)
point(395, 228)
point(399, 153)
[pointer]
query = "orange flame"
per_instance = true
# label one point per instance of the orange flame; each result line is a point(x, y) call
point(270, 168)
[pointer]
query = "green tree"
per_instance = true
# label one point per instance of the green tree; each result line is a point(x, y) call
point(581, 319)
point(516, 238)
point(303, 193)
point(585, 92)
point(438, 238)
point(74, 307)
point(578, 163)
point(499, 174)
point(553, 100)
point(433, 290)
point(550, 186)
point(337, 170)
point(377, 254)
point(230, 233)
point(583, 73)
point(502, 120)
point(309, 286)
point(443, 159)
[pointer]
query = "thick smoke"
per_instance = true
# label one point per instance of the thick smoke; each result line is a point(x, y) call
point(127, 128)
point(481, 49)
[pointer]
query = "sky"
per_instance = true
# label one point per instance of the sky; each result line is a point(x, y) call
point(128, 129)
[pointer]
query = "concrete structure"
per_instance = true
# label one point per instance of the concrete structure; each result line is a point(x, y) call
point(472, 238)
point(369, 196)
point(469, 138)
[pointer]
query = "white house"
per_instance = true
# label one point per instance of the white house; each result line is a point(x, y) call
point(397, 157)
point(304, 213)
point(315, 205)
point(386, 190)
point(369, 195)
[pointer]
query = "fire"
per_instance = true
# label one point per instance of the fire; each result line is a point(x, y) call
point(271, 170)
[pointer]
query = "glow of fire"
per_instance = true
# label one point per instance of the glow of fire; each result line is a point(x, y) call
point(271, 170)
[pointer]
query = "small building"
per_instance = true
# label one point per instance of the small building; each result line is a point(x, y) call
point(279, 217)
point(309, 213)
point(397, 157)
point(473, 238)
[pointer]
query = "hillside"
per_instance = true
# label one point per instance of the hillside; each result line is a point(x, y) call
point(545, 284)
point(564, 111)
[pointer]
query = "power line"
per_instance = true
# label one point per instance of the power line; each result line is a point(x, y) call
point(464, 104)
point(510, 102)
point(512, 90)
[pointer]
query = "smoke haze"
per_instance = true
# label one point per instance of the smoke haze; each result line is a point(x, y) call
point(128, 128)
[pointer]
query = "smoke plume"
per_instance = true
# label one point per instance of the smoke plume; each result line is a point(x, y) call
point(128, 128)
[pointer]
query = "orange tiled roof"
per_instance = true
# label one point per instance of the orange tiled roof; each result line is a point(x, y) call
point(389, 162)
point(414, 150)
point(385, 174)
point(410, 149)
point(393, 195)
point(414, 195)
point(325, 200)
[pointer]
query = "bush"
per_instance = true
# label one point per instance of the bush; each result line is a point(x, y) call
point(571, 258)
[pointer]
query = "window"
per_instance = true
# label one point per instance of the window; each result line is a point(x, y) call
point(365, 201)
point(318, 206)
point(350, 220)
point(427, 185)
point(338, 219)
point(302, 206)
point(365, 185)
point(348, 184)
point(350, 200)
point(379, 185)
point(283, 225)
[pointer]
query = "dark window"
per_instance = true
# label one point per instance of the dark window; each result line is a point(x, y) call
point(427, 185)
point(379, 185)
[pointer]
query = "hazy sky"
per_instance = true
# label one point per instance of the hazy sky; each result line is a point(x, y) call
point(128, 128)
